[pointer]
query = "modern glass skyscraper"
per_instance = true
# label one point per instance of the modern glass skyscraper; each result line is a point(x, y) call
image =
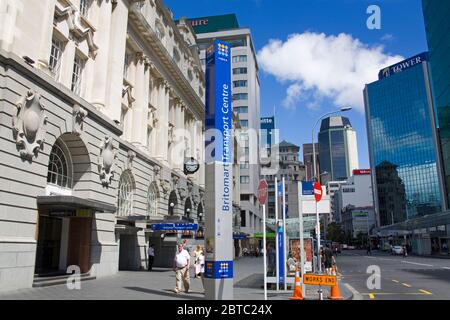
point(267, 134)
point(338, 151)
point(437, 25)
point(403, 142)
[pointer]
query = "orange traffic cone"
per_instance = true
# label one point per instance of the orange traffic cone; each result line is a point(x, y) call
point(298, 294)
point(335, 292)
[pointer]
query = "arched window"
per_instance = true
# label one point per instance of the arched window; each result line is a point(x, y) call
point(152, 201)
point(126, 191)
point(59, 168)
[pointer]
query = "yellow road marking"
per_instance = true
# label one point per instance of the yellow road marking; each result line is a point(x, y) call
point(396, 294)
point(407, 285)
point(396, 281)
point(426, 292)
point(371, 296)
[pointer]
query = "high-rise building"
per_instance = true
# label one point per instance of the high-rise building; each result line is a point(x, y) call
point(403, 142)
point(338, 150)
point(292, 169)
point(437, 25)
point(308, 160)
point(267, 135)
point(246, 103)
point(356, 192)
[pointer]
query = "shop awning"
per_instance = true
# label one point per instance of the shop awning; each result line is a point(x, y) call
point(71, 203)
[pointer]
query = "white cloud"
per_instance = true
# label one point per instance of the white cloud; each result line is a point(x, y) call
point(293, 96)
point(334, 67)
point(387, 37)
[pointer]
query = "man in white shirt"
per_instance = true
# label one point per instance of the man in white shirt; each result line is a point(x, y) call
point(181, 265)
point(151, 256)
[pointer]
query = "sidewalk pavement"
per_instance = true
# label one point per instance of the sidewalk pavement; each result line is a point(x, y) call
point(159, 285)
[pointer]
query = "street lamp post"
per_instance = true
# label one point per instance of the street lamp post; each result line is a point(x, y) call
point(319, 263)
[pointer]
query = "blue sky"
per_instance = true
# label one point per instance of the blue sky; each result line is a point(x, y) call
point(317, 23)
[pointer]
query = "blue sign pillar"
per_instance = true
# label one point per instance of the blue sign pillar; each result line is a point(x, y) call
point(219, 173)
point(281, 264)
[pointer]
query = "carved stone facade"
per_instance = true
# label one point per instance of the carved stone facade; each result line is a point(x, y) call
point(100, 134)
point(79, 114)
point(29, 125)
point(106, 161)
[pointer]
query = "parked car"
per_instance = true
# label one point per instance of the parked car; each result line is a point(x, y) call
point(344, 247)
point(397, 250)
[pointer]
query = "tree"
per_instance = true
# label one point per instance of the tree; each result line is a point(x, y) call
point(335, 232)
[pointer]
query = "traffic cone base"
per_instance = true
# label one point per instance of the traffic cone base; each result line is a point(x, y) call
point(335, 293)
point(298, 294)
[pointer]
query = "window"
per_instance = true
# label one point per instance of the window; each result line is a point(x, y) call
point(152, 201)
point(84, 7)
point(240, 96)
point(126, 190)
point(238, 43)
point(241, 58)
point(239, 71)
point(245, 137)
point(59, 169)
point(244, 123)
point(55, 58)
point(126, 65)
point(243, 218)
point(77, 73)
point(245, 165)
point(240, 84)
point(240, 110)
point(245, 180)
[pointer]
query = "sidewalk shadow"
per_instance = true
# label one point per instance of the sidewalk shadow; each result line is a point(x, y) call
point(165, 292)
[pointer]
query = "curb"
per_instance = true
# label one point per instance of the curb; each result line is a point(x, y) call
point(355, 294)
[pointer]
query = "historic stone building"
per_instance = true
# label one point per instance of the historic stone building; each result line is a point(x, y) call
point(101, 102)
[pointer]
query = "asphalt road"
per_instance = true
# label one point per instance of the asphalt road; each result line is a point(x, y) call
point(410, 278)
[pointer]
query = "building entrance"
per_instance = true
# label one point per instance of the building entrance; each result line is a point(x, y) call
point(63, 240)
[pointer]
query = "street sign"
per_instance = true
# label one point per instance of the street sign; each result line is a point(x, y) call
point(318, 192)
point(319, 280)
point(262, 191)
point(174, 227)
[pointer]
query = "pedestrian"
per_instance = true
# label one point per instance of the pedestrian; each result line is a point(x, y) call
point(181, 265)
point(328, 260)
point(151, 256)
point(185, 245)
point(201, 262)
point(369, 250)
point(197, 267)
point(405, 252)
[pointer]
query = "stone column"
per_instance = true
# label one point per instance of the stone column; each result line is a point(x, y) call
point(140, 108)
point(114, 83)
point(102, 39)
point(163, 120)
point(179, 150)
point(46, 33)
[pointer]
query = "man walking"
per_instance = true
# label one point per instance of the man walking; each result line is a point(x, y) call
point(151, 256)
point(328, 260)
point(181, 265)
